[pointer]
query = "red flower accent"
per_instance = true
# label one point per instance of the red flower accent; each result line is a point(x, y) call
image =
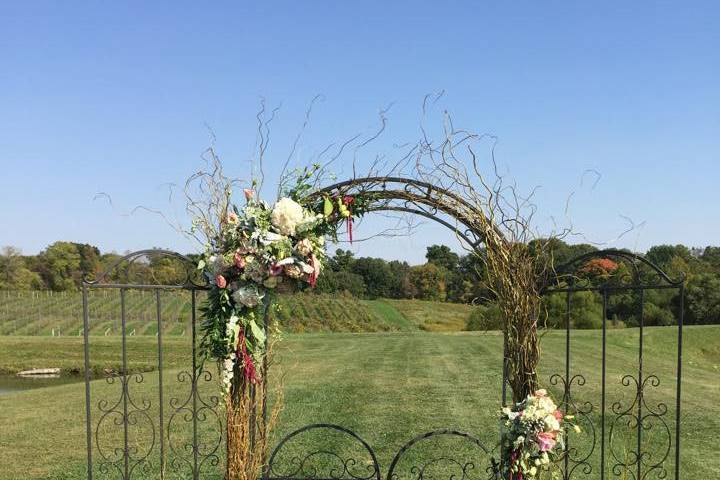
point(247, 362)
point(220, 281)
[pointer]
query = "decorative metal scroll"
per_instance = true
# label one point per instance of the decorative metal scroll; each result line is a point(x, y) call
point(322, 451)
point(137, 432)
point(633, 438)
point(442, 455)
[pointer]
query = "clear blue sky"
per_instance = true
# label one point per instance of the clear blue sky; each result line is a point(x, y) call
point(116, 96)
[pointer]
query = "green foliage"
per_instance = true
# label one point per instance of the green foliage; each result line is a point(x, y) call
point(442, 256)
point(14, 275)
point(429, 282)
point(657, 316)
point(585, 310)
point(702, 303)
point(483, 319)
point(60, 266)
point(377, 276)
point(449, 277)
point(661, 255)
point(331, 281)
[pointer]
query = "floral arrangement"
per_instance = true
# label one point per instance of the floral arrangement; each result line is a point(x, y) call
point(257, 250)
point(532, 437)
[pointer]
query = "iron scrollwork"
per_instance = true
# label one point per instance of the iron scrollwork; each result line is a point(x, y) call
point(323, 462)
point(195, 455)
point(451, 464)
point(129, 415)
point(640, 417)
point(576, 459)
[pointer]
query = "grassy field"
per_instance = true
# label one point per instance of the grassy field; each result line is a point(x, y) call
point(387, 387)
point(60, 313)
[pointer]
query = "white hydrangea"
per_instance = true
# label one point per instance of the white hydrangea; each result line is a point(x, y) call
point(287, 215)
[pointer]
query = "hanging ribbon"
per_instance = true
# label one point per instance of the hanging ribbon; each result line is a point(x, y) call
point(348, 200)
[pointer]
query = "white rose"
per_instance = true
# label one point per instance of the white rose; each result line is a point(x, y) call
point(304, 247)
point(551, 423)
point(287, 215)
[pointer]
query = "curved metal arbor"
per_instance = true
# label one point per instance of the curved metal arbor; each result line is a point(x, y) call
point(408, 195)
point(120, 273)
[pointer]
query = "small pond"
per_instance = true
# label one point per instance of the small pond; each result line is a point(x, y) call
point(11, 383)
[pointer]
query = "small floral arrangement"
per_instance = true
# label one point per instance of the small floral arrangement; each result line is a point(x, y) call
point(255, 251)
point(532, 437)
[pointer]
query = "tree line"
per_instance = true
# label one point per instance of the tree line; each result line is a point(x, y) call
point(446, 276)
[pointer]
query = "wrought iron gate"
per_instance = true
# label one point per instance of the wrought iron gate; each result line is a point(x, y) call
point(182, 424)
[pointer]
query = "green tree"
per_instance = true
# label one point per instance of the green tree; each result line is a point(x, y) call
point(338, 282)
point(585, 310)
point(661, 255)
point(702, 303)
point(711, 257)
point(60, 266)
point(376, 274)
point(342, 260)
point(442, 256)
point(14, 274)
point(429, 282)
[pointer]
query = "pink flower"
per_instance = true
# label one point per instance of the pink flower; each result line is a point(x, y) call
point(558, 415)
point(546, 441)
point(239, 260)
point(249, 193)
point(232, 218)
point(276, 269)
point(220, 281)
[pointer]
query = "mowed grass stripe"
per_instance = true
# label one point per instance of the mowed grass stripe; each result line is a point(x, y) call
point(386, 386)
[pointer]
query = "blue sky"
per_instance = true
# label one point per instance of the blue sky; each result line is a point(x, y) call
point(117, 96)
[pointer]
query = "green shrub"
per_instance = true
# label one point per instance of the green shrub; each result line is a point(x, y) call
point(654, 315)
point(484, 318)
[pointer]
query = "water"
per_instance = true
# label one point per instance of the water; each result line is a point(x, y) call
point(11, 384)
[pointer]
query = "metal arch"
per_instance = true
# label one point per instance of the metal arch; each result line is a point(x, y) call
point(335, 474)
point(568, 267)
point(414, 195)
point(133, 257)
point(470, 465)
point(400, 180)
point(463, 235)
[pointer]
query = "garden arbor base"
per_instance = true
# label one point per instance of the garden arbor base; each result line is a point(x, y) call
point(142, 425)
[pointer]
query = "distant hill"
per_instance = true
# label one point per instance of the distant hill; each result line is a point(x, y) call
point(60, 313)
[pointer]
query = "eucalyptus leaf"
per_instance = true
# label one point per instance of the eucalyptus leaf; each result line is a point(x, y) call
point(257, 332)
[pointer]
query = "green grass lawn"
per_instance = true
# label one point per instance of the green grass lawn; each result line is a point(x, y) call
point(387, 387)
